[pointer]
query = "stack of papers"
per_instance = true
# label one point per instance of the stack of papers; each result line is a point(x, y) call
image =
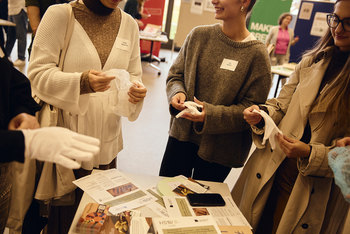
point(151, 30)
point(168, 200)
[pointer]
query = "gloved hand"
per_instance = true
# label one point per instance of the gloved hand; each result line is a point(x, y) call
point(59, 145)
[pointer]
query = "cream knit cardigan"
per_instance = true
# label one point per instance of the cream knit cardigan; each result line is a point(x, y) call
point(88, 113)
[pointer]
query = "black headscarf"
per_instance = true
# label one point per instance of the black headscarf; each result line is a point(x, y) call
point(97, 7)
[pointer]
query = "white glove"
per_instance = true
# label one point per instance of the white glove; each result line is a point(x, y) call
point(59, 145)
point(191, 108)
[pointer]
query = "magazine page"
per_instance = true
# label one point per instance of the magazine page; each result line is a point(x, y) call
point(180, 225)
point(113, 188)
point(228, 215)
point(158, 207)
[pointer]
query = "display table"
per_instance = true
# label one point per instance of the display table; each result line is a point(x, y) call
point(159, 38)
point(145, 181)
point(282, 73)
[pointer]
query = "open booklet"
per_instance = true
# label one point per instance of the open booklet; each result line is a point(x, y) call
point(114, 189)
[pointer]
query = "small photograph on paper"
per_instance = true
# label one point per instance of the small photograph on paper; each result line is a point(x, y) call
point(120, 190)
point(182, 190)
point(201, 211)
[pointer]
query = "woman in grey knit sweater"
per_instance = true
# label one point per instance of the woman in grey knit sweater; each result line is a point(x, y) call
point(227, 69)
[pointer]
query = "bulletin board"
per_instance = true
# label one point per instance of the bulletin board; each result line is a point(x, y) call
point(311, 24)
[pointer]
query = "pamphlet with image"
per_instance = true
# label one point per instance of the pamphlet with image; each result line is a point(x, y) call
point(113, 188)
point(228, 215)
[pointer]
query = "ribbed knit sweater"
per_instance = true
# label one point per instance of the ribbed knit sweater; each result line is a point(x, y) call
point(88, 114)
point(224, 137)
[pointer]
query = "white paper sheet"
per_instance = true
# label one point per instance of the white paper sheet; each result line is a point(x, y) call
point(228, 215)
point(113, 188)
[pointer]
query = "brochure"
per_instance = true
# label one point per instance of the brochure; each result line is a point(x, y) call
point(114, 189)
point(181, 225)
point(158, 207)
point(228, 215)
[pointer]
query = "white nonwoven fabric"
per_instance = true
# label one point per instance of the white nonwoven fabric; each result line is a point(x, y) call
point(271, 130)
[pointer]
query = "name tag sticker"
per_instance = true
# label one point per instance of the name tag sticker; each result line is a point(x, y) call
point(2, 54)
point(229, 64)
point(123, 44)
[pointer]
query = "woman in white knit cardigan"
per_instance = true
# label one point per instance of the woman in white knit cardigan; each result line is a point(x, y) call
point(104, 38)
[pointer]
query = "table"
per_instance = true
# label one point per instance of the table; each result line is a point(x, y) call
point(145, 181)
point(6, 23)
point(282, 73)
point(158, 38)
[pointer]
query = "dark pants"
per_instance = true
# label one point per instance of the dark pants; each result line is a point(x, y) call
point(181, 158)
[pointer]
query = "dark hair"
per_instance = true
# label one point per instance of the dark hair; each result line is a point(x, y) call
point(340, 88)
point(250, 7)
point(284, 15)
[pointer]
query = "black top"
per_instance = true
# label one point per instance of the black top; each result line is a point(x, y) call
point(15, 98)
point(132, 8)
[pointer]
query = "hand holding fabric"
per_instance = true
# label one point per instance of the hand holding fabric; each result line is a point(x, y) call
point(59, 145)
point(178, 101)
point(270, 128)
point(137, 93)
point(23, 121)
point(191, 112)
point(293, 148)
point(250, 116)
point(98, 81)
point(343, 142)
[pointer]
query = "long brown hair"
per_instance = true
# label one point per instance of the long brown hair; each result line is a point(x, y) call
point(340, 88)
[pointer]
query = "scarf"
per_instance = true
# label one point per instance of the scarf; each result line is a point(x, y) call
point(97, 7)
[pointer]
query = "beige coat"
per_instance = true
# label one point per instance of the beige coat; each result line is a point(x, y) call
point(316, 204)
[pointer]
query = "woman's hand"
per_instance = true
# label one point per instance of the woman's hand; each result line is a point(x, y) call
point(343, 142)
point(196, 117)
point(178, 101)
point(23, 121)
point(293, 148)
point(251, 117)
point(99, 83)
point(137, 93)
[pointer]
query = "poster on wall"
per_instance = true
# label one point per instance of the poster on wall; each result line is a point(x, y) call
point(262, 20)
point(319, 25)
point(306, 10)
point(197, 7)
point(310, 26)
point(208, 6)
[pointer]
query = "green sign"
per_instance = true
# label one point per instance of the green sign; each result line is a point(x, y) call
point(265, 15)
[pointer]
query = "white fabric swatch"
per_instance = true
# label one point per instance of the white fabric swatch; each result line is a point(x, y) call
point(271, 129)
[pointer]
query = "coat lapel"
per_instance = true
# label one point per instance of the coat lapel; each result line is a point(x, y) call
point(310, 78)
